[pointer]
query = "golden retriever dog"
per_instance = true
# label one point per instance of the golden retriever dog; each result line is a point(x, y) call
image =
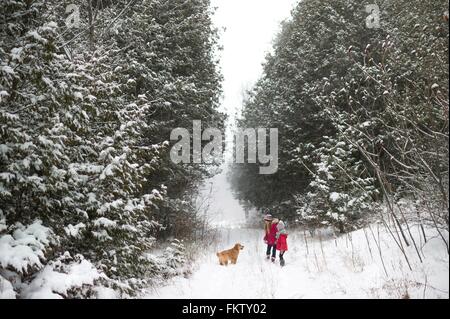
point(229, 255)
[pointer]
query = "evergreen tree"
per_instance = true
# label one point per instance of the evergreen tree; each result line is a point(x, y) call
point(86, 114)
point(347, 99)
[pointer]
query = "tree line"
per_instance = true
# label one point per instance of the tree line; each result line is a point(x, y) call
point(362, 114)
point(86, 110)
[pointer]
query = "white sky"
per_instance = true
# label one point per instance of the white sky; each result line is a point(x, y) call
point(250, 27)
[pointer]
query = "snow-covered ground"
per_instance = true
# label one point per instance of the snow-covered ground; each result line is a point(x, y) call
point(317, 267)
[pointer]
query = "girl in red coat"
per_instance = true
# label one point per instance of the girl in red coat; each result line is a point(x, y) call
point(281, 236)
point(270, 228)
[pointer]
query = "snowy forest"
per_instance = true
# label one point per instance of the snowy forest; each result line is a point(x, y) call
point(92, 206)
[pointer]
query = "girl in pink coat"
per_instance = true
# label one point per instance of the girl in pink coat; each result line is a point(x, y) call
point(270, 236)
point(281, 236)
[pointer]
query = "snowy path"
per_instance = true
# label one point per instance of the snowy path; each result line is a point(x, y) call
point(328, 270)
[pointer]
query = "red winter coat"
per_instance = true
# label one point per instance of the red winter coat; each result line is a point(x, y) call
point(282, 242)
point(271, 235)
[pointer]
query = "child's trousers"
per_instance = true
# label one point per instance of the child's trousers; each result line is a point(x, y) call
point(272, 248)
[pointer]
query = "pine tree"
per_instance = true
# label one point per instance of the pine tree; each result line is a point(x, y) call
point(377, 95)
point(86, 114)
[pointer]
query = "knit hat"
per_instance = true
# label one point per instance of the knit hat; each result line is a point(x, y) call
point(281, 225)
point(268, 217)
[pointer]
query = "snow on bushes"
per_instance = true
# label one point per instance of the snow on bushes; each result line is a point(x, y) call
point(25, 249)
point(174, 259)
point(58, 280)
point(6, 289)
point(83, 140)
point(26, 272)
point(341, 192)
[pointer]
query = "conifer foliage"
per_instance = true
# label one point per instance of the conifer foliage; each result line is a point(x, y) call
point(86, 112)
point(362, 113)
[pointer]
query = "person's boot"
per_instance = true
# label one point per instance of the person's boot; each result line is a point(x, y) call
point(282, 262)
point(273, 259)
point(268, 257)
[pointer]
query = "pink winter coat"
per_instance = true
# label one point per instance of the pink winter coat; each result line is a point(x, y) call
point(271, 235)
point(282, 243)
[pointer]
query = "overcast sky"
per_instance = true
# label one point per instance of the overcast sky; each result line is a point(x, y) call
point(250, 27)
